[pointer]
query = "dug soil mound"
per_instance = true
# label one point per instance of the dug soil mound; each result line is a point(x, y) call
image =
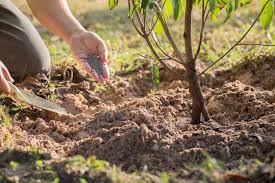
point(127, 124)
point(154, 131)
point(258, 73)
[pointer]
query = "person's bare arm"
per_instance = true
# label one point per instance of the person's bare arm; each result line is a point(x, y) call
point(57, 17)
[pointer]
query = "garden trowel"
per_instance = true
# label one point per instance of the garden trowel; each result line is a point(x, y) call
point(37, 101)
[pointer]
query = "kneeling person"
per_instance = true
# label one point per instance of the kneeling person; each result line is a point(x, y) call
point(23, 52)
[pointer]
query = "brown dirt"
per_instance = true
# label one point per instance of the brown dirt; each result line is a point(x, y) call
point(132, 127)
point(257, 72)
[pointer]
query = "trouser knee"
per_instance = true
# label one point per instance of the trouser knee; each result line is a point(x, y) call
point(22, 49)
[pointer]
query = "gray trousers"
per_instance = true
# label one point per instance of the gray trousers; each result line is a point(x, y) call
point(21, 48)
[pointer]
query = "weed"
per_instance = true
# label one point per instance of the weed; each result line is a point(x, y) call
point(4, 117)
point(39, 164)
point(52, 97)
point(82, 180)
point(26, 157)
point(3, 178)
point(93, 163)
point(99, 88)
point(76, 164)
point(13, 165)
point(164, 177)
point(8, 140)
point(211, 169)
point(56, 180)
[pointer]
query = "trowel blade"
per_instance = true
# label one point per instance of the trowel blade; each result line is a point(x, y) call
point(37, 101)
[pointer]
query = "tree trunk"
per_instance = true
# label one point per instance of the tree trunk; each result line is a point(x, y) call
point(198, 106)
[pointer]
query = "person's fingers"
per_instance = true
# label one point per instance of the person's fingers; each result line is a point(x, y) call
point(103, 52)
point(6, 73)
point(101, 80)
point(85, 66)
point(4, 85)
point(87, 44)
point(106, 72)
point(94, 75)
point(91, 72)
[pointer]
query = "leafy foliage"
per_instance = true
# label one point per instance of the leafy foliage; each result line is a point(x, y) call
point(266, 16)
point(164, 9)
point(177, 7)
point(112, 4)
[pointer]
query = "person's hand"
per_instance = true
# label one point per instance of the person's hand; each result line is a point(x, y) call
point(87, 43)
point(4, 78)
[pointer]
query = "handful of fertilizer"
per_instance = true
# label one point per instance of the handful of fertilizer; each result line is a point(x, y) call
point(96, 64)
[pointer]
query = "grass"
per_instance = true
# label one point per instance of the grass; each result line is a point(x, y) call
point(33, 166)
point(125, 44)
point(76, 168)
point(4, 116)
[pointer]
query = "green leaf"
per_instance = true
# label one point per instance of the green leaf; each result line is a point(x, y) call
point(131, 11)
point(222, 3)
point(229, 10)
point(166, 13)
point(13, 165)
point(158, 29)
point(164, 177)
point(214, 9)
point(151, 4)
point(267, 14)
point(155, 75)
point(137, 4)
point(237, 4)
point(178, 6)
point(144, 4)
point(167, 8)
point(245, 2)
point(56, 180)
point(112, 4)
point(82, 180)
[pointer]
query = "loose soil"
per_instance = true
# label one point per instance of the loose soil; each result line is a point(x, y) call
point(135, 128)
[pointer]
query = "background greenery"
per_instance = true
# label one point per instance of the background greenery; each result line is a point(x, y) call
point(125, 44)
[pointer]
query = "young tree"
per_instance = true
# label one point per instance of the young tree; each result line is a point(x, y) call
point(161, 10)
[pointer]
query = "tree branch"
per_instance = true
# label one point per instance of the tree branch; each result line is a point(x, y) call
point(255, 44)
point(145, 35)
point(204, 19)
point(153, 58)
point(187, 34)
point(168, 33)
point(160, 59)
point(166, 54)
point(136, 28)
point(156, 21)
point(237, 43)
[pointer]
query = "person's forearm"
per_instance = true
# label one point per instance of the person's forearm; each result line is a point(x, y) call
point(56, 16)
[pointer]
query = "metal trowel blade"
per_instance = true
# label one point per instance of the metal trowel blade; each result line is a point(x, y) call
point(37, 101)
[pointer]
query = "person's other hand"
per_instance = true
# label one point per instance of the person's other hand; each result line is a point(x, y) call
point(87, 43)
point(4, 78)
